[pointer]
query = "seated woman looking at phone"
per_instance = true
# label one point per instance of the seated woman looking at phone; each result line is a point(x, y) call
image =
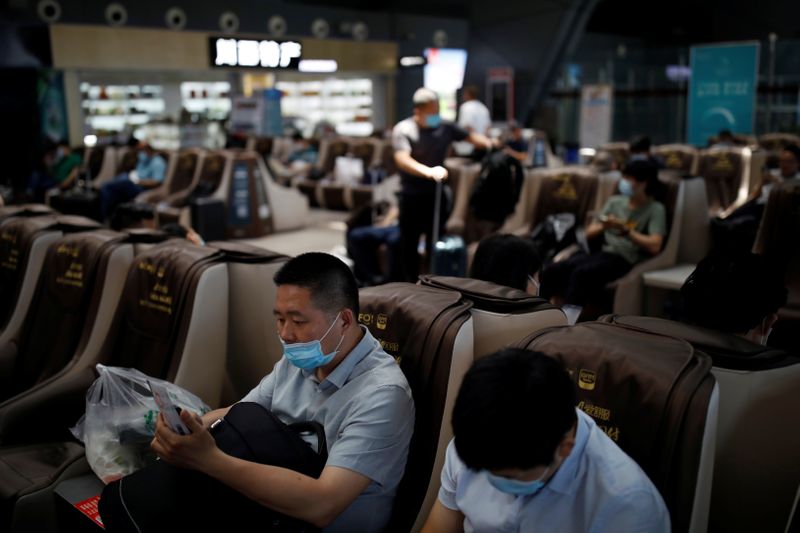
point(632, 224)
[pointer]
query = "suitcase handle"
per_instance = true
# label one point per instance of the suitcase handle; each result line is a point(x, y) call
point(437, 207)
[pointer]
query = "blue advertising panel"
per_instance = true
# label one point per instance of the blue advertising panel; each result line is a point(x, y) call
point(722, 90)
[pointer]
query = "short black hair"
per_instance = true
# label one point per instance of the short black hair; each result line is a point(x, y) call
point(644, 171)
point(174, 229)
point(794, 150)
point(513, 409)
point(333, 286)
point(732, 292)
point(641, 144)
point(472, 91)
point(506, 260)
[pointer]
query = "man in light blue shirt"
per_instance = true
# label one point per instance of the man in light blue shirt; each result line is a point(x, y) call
point(150, 171)
point(333, 372)
point(524, 459)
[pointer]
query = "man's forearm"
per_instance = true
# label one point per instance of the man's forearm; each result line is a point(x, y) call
point(280, 489)
point(408, 164)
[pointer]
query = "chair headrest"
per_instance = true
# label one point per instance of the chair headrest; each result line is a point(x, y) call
point(24, 210)
point(489, 296)
point(246, 253)
point(726, 350)
point(153, 304)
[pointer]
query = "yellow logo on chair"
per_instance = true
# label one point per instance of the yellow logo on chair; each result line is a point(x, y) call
point(587, 379)
point(383, 320)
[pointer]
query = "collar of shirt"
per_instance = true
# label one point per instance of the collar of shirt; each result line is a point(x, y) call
point(564, 479)
point(341, 374)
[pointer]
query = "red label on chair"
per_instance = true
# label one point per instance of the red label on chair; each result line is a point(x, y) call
point(89, 508)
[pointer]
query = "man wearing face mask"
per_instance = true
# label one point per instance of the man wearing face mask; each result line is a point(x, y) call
point(735, 293)
point(333, 372)
point(420, 146)
point(523, 458)
point(632, 225)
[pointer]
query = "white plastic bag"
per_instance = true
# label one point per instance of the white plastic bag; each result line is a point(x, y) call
point(120, 420)
point(348, 170)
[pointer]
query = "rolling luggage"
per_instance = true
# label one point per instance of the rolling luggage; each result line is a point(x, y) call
point(448, 254)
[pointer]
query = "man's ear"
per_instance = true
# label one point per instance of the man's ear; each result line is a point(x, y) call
point(349, 318)
point(566, 445)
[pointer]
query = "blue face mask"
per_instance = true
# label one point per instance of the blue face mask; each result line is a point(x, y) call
point(516, 487)
point(308, 355)
point(433, 121)
point(626, 188)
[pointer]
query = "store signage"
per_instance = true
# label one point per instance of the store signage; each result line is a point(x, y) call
point(250, 53)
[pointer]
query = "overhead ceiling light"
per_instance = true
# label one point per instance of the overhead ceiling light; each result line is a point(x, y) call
point(412, 61)
point(318, 65)
point(587, 152)
point(49, 10)
point(90, 140)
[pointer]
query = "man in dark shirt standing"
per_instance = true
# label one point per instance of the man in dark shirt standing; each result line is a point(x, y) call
point(420, 147)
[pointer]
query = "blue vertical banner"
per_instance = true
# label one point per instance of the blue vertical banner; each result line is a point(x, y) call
point(722, 90)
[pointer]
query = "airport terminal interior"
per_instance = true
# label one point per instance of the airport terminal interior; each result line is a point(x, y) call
point(403, 266)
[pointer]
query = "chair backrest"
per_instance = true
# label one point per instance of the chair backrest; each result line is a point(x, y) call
point(244, 191)
point(263, 145)
point(775, 142)
point(185, 171)
point(387, 158)
point(253, 345)
point(758, 406)
point(726, 172)
point(330, 149)
point(103, 159)
point(501, 316)
point(429, 332)
point(679, 157)
point(23, 245)
point(364, 150)
point(619, 152)
point(214, 167)
point(465, 174)
point(73, 273)
point(172, 319)
point(654, 396)
point(569, 189)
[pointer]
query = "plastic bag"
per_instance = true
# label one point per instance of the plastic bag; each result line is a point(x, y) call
point(120, 420)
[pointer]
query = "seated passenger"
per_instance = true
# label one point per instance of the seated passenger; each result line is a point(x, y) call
point(150, 171)
point(736, 229)
point(333, 372)
point(515, 145)
point(738, 294)
point(62, 166)
point(508, 260)
point(299, 161)
point(363, 246)
point(632, 224)
point(523, 458)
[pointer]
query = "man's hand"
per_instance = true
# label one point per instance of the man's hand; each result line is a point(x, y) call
point(438, 173)
point(190, 451)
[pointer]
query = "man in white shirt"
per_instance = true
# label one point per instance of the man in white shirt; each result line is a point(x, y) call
point(524, 459)
point(474, 117)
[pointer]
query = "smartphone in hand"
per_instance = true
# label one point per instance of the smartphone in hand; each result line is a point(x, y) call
point(168, 409)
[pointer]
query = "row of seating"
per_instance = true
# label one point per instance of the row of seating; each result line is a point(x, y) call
point(195, 173)
point(196, 316)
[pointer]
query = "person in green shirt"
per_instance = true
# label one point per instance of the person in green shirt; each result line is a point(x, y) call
point(632, 224)
point(61, 170)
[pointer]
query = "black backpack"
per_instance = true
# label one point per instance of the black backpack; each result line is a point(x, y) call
point(162, 497)
point(497, 188)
